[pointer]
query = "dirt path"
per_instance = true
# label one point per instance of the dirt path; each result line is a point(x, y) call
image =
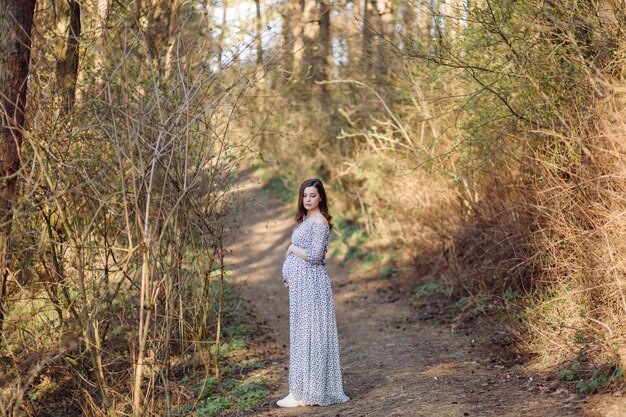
point(394, 362)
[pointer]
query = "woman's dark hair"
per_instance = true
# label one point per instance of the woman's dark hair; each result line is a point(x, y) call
point(323, 205)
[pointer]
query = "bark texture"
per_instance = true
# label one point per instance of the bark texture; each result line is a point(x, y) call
point(16, 20)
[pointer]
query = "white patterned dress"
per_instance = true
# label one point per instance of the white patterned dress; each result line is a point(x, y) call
point(314, 369)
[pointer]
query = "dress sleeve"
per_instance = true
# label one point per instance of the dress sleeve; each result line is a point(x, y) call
point(315, 253)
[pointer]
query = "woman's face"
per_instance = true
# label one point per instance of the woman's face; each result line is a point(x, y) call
point(310, 198)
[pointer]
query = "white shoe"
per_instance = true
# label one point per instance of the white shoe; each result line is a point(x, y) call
point(289, 401)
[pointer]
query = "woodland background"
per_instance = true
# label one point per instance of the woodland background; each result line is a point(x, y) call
point(482, 141)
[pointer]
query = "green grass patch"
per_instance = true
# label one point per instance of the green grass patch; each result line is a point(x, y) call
point(282, 187)
point(431, 288)
point(599, 379)
point(388, 271)
point(230, 394)
point(351, 239)
point(277, 187)
point(459, 304)
point(589, 383)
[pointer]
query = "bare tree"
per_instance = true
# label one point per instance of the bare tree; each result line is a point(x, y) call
point(310, 27)
point(67, 66)
point(324, 56)
point(259, 33)
point(367, 35)
point(102, 8)
point(383, 10)
point(221, 43)
point(16, 19)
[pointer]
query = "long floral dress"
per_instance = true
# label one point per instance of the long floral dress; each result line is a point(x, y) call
point(314, 368)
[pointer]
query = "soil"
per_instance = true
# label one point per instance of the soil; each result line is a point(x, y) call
point(399, 356)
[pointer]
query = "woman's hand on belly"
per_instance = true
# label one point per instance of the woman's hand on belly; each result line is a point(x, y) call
point(286, 270)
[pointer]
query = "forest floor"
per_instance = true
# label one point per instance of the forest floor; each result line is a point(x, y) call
point(399, 355)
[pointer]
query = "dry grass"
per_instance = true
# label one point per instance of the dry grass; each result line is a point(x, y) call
point(580, 235)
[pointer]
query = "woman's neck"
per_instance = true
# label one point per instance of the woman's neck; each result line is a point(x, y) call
point(311, 213)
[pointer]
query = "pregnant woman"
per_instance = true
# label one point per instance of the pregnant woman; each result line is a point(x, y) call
point(314, 369)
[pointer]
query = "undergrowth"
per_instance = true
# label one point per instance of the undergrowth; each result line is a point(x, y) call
point(238, 387)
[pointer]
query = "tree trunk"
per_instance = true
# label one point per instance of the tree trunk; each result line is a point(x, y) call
point(102, 17)
point(16, 20)
point(309, 29)
point(157, 25)
point(409, 26)
point(424, 24)
point(67, 67)
point(436, 28)
point(324, 56)
point(366, 48)
point(171, 41)
point(351, 34)
point(296, 15)
point(287, 23)
point(220, 44)
point(384, 27)
point(384, 9)
point(259, 33)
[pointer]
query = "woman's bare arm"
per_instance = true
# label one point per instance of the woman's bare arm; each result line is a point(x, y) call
point(298, 251)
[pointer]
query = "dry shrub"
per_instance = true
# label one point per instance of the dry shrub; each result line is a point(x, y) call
point(489, 250)
point(551, 225)
point(580, 237)
point(117, 285)
point(544, 214)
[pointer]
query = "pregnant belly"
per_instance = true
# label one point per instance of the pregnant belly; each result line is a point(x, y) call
point(287, 266)
point(293, 265)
